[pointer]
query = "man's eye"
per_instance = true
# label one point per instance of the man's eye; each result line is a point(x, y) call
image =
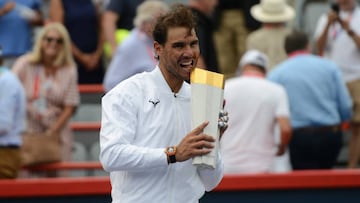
point(194, 44)
point(178, 45)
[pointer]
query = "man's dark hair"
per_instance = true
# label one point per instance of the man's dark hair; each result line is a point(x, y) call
point(178, 16)
point(296, 41)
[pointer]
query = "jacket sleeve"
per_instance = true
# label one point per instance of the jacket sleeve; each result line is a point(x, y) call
point(118, 129)
point(212, 177)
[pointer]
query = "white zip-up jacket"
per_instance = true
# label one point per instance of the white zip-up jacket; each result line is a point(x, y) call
point(140, 118)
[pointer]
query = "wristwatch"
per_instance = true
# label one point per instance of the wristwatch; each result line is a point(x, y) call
point(170, 152)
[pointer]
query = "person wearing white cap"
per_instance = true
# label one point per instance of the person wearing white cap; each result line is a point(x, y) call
point(274, 14)
point(257, 106)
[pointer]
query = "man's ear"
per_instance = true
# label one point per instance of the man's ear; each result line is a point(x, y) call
point(157, 49)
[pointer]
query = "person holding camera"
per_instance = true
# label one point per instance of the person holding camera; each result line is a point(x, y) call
point(338, 38)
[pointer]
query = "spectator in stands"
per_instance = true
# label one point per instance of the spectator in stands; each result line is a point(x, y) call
point(203, 11)
point(49, 77)
point(82, 19)
point(12, 116)
point(118, 21)
point(141, 119)
point(136, 54)
point(256, 107)
point(319, 103)
point(234, 23)
point(17, 19)
point(269, 39)
point(338, 38)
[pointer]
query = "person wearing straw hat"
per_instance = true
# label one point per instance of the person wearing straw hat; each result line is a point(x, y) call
point(273, 14)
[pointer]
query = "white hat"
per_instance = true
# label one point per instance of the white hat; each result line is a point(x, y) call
point(254, 57)
point(272, 11)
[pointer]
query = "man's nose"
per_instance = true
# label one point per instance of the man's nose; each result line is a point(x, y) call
point(188, 51)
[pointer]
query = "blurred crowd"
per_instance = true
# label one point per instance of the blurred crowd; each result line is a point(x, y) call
point(287, 92)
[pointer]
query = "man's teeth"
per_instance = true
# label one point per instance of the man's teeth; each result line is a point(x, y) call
point(186, 63)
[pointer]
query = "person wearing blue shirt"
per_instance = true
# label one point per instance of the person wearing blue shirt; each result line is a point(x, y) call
point(319, 103)
point(136, 53)
point(12, 115)
point(17, 19)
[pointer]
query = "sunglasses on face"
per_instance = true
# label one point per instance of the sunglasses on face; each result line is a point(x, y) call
point(52, 39)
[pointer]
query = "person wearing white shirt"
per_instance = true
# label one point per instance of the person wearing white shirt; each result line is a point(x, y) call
point(146, 142)
point(338, 38)
point(257, 107)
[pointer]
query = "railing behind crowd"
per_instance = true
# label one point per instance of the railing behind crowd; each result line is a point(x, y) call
point(83, 129)
point(300, 186)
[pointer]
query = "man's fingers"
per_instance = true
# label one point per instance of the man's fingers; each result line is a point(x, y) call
point(203, 144)
point(201, 137)
point(200, 128)
point(202, 151)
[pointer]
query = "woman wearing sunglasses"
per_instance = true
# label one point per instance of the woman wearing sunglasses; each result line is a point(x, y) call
point(49, 77)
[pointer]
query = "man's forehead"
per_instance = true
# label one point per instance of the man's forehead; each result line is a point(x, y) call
point(181, 33)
